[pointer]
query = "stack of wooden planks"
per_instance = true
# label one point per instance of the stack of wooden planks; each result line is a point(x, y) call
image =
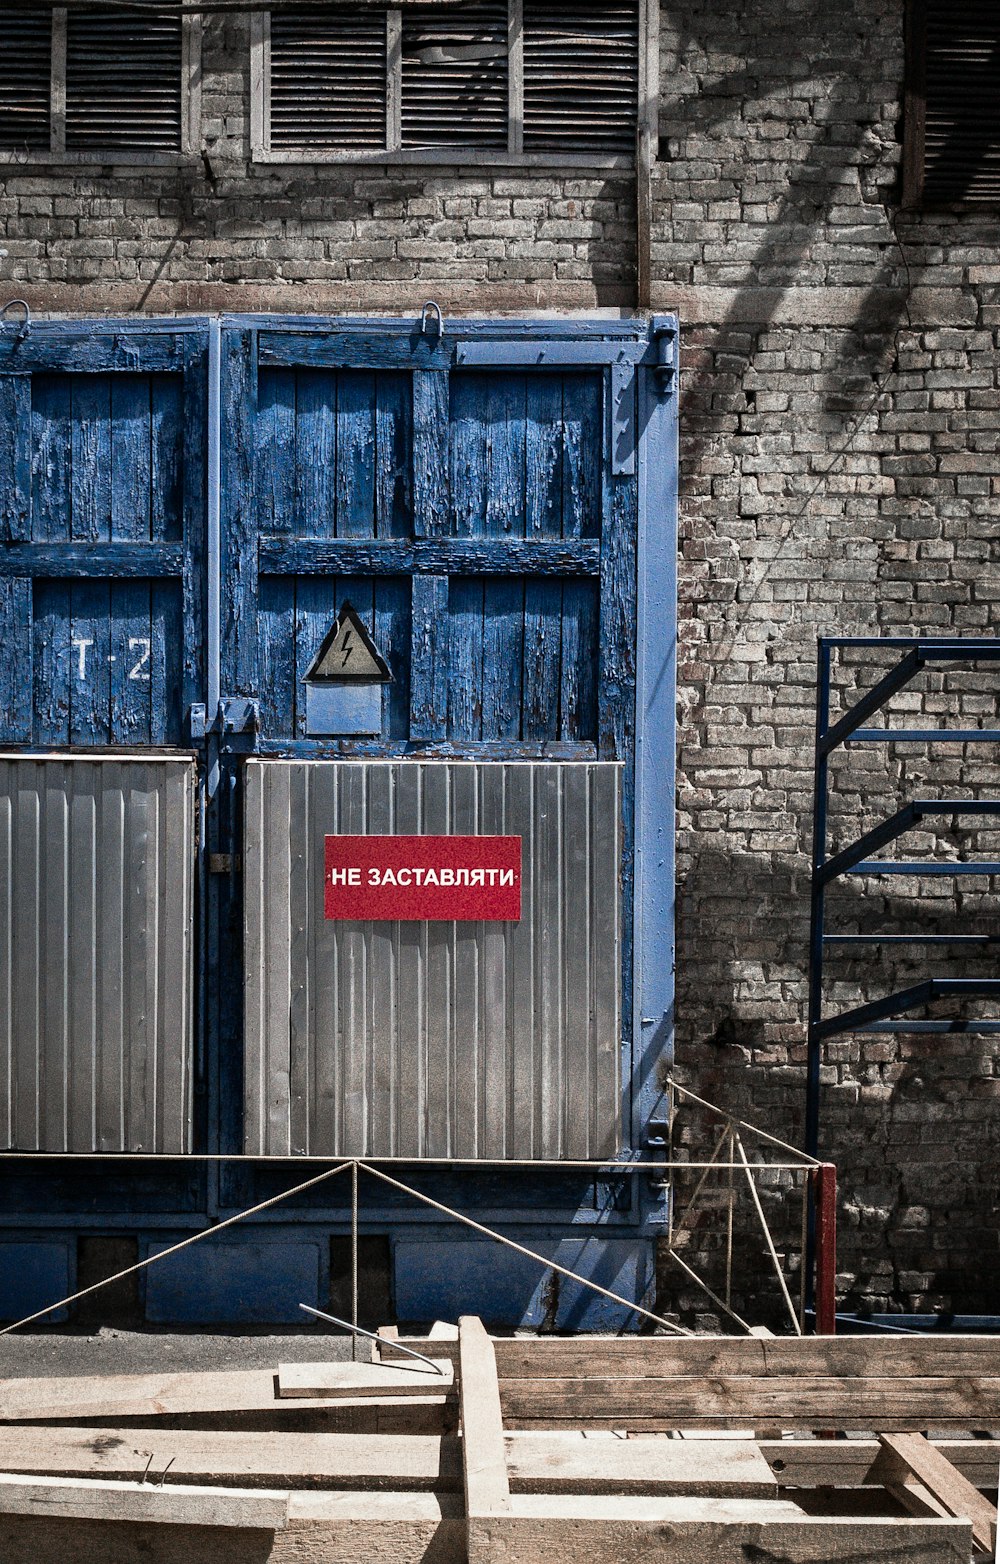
point(699, 1450)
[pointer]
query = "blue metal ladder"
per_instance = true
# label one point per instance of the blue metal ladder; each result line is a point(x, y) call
point(891, 1013)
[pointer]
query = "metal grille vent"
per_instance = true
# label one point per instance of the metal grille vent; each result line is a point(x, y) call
point(24, 79)
point(962, 136)
point(581, 76)
point(328, 79)
point(123, 81)
point(454, 84)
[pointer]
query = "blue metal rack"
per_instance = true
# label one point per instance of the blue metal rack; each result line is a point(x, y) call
point(890, 1013)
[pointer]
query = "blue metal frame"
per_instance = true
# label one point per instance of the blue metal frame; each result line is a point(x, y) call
point(886, 1014)
point(637, 362)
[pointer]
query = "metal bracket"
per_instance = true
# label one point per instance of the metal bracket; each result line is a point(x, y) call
point(238, 719)
point(665, 343)
point(197, 722)
point(431, 307)
point(24, 329)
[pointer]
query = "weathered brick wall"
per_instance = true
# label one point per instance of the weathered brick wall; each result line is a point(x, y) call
point(783, 126)
point(841, 459)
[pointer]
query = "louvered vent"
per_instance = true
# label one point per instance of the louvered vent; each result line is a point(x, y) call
point(581, 77)
point(328, 79)
point(25, 69)
point(123, 81)
point(454, 89)
point(962, 138)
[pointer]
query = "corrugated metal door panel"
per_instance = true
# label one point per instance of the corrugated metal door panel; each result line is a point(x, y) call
point(96, 911)
point(435, 1039)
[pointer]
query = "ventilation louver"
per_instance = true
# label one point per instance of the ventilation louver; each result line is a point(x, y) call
point(454, 87)
point(25, 72)
point(962, 134)
point(123, 81)
point(581, 77)
point(328, 79)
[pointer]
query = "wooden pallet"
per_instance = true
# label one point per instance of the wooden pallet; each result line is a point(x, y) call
point(591, 1450)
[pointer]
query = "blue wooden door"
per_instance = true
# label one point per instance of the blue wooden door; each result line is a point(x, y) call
point(102, 504)
point(475, 496)
point(102, 479)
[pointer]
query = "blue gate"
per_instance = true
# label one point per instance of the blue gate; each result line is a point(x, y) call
point(185, 510)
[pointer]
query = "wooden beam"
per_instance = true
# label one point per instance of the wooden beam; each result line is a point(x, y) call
point(911, 1456)
point(536, 1462)
point(843, 1357)
point(795, 1401)
point(580, 1530)
point(322, 1528)
point(415, 1462)
point(347, 1380)
point(702, 1468)
point(95, 1499)
point(822, 1463)
point(242, 1395)
point(484, 1456)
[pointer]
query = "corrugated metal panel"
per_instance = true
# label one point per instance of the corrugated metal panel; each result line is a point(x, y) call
point(454, 81)
point(328, 79)
point(581, 76)
point(25, 78)
point(123, 81)
point(962, 134)
point(96, 905)
point(434, 1039)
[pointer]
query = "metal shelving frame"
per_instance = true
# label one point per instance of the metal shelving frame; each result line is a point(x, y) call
point(890, 1013)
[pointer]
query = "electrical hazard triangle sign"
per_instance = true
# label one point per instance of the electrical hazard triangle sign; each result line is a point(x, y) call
point(348, 652)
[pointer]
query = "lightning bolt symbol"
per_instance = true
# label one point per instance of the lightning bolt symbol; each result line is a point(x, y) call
point(347, 649)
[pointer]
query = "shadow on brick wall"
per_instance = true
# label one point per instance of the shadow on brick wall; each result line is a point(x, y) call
point(910, 1119)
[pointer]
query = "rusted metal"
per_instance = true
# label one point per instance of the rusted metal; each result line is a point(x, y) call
point(825, 1196)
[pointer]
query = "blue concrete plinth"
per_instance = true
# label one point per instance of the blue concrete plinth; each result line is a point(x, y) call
point(441, 1279)
point(31, 1276)
point(235, 1284)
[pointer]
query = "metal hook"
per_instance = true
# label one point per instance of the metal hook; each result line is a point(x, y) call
point(424, 314)
point(25, 327)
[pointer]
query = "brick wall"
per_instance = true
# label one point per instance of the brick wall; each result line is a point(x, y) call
point(841, 461)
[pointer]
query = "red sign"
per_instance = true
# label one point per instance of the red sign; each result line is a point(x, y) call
point(411, 878)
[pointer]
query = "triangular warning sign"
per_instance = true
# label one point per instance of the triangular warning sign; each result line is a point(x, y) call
point(348, 652)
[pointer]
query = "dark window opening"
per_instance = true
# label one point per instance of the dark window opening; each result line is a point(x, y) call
point(952, 131)
point(91, 80)
point(25, 79)
point(328, 79)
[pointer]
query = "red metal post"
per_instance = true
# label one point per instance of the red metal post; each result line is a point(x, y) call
point(825, 1205)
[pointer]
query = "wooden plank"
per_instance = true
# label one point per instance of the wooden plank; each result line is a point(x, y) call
point(484, 1459)
point(789, 1403)
point(860, 1357)
point(84, 1399)
point(912, 1452)
point(239, 519)
point(572, 1463)
point(416, 1462)
point(118, 560)
point(423, 1532)
point(537, 1463)
point(15, 458)
point(339, 1380)
point(322, 1530)
point(810, 1463)
point(429, 556)
point(16, 641)
point(581, 1530)
point(99, 1500)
